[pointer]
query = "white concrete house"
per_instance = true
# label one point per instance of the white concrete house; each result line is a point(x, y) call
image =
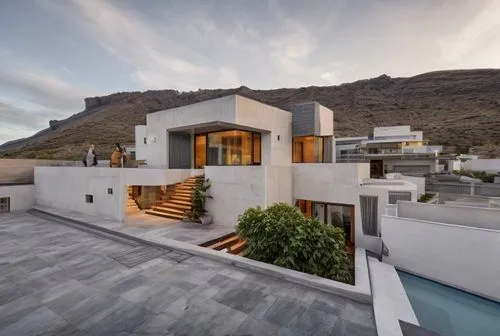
point(256, 155)
point(394, 149)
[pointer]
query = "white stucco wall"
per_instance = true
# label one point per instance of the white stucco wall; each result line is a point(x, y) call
point(341, 183)
point(488, 218)
point(220, 109)
point(235, 189)
point(431, 163)
point(140, 146)
point(418, 181)
point(325, 117)
point(22, 197)
point(463, 257)
point(486, 165)
point(276, 122)
point(66, 187)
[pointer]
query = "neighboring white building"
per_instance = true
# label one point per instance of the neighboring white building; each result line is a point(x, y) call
point(395, 149)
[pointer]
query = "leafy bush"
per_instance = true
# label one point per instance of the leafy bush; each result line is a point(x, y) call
point(483, 176)
point(198, 197)
point(424, 198)
point(283, 236)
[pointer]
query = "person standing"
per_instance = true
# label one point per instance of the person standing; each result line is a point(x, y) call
point(91, 159)
point(116, 157)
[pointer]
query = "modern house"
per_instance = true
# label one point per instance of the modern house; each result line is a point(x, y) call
point(255, 155)
point(395, 149)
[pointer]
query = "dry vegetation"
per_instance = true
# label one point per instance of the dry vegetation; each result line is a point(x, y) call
point(456, 108)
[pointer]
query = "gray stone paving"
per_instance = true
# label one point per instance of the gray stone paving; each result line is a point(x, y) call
point(57, 280)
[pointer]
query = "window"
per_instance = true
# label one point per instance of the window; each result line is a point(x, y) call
point(110, 191)
point(369, 215)
point(200, 151)
point(4, 204)
point(89, 198)
point(145, 141)
point(228, 148)
point(395, 196)
point(256, 148)
point(308, 149)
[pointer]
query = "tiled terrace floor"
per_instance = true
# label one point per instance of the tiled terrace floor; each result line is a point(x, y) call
point(148, 227)
point(57, 280)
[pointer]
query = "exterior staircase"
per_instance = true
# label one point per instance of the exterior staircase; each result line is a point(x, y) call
point(230, 243)
point(131, 204)
point(179, 202)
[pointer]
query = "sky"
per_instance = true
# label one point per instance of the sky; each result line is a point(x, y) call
point(54, 53)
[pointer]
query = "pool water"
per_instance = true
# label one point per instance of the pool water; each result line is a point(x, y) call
point(449, 311)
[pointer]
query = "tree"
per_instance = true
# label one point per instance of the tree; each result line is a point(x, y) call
point(283, 236)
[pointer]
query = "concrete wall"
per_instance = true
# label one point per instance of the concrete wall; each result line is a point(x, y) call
point(431, 163)
point(339, 183)
point(277, 123)
point(140, 146)
point(418, 181)
point(22, 197)
point(463, 257)
point(390, 302)
point(488, 218)
point(220, 109)
point(325, 117)
point(391, 131)
point(66, 187)
point(235, 189)
point(486, 165)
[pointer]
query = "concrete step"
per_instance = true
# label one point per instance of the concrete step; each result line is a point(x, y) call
point(176, 201)
point(170, 204)
point(162, 214)
point(225, 243)
point(168, 209)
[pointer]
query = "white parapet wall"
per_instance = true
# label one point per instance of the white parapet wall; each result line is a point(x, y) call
point(22, 197)
point(487, 218)
point(235, 189)
point(459, 256)
point(67, 187)
point(491, 166)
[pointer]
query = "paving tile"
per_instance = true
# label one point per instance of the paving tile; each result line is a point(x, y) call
point(121, 316)
point(158, 324)
point(243, 299)
point(283, 311)
point(358, 313)
point(136, 255)
point(10, 291)
point(347, 328)
point(17, 310)
point(256, 327)
point(41, 321)
point(313, 322)
point(177, 256)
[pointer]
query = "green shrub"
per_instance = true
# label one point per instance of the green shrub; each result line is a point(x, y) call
point(424, 198)
point(283, 236)
point(483, 176)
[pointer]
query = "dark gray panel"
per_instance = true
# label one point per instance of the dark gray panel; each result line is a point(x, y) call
point(328, 148)
point(395, 196)
point(303, 119)
point(179, 150)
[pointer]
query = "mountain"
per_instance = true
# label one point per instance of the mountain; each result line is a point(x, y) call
point(455, 108)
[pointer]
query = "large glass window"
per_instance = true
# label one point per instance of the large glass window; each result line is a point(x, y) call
point(228, 148)
point(307, 149)
point(200, 151)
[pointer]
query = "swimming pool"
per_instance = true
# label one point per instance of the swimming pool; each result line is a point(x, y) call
point(449, 311)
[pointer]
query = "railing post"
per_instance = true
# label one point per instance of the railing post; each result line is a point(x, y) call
point(473, 189)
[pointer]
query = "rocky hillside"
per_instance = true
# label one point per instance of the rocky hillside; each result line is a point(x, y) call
point(459, 107)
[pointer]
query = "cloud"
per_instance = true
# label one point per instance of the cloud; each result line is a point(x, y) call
point(39, 87)
point(478, 41)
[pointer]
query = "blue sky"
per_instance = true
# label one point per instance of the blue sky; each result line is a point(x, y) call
point(53, 53)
